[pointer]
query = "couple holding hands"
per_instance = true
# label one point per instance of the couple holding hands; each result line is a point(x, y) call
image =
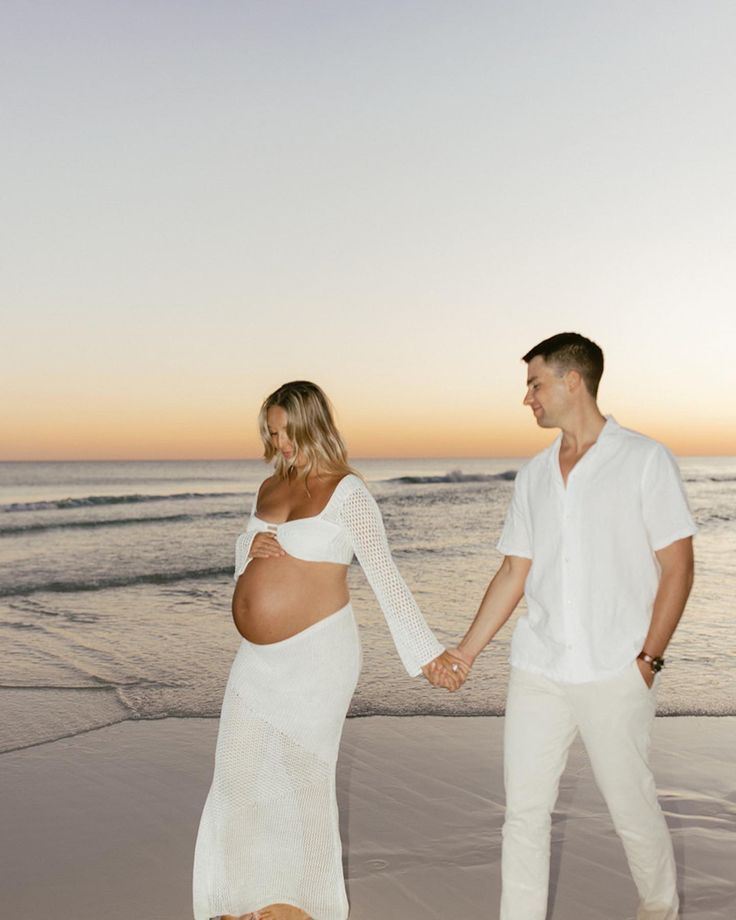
point(598, 537)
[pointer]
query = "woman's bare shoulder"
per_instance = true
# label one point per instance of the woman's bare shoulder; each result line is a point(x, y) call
point(268, 484)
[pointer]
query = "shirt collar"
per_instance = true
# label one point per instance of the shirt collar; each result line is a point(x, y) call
point(610, 429)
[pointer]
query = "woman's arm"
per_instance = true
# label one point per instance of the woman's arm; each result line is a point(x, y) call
point(414, 640)
point(254, 543)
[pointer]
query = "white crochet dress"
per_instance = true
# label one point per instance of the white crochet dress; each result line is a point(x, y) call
point(269, 831)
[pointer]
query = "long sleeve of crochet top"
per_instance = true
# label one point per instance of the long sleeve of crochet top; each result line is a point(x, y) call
point(414, 640)
point(242, 548)
point(351, 523)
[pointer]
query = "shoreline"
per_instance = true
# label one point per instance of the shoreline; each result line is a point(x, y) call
point(107, 820)
point(358, 716)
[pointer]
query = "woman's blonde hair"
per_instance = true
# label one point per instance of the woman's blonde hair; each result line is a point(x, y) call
point(311, 429)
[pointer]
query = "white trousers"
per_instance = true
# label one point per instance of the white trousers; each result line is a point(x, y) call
point(614, 718)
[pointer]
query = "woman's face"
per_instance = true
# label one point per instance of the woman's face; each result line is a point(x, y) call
point(277, 421)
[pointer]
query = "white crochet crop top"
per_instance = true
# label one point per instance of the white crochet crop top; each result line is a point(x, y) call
point(351, 524)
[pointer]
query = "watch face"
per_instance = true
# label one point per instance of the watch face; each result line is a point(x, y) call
point(657, 664)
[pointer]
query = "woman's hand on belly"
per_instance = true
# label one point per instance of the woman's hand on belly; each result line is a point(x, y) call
point(265, 546)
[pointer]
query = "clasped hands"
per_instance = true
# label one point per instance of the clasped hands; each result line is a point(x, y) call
point(449, 670)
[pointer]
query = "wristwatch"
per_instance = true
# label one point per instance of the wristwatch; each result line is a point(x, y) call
point(656, 663)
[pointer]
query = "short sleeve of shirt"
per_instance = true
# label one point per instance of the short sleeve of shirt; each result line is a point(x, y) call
point(516, 536)
point(667, 516)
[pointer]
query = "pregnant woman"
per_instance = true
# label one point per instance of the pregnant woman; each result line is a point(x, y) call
point(268, 846)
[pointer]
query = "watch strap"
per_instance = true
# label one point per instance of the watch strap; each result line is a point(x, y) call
point(655, 662)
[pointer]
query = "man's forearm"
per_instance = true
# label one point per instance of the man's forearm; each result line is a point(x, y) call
point(502, 595)
point(674, 588)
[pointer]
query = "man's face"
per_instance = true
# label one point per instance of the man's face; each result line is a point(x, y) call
point(546, 393)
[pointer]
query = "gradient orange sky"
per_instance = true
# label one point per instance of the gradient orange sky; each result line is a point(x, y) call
point(396, 201)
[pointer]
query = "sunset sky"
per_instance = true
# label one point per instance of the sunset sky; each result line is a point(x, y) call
point(394, 199)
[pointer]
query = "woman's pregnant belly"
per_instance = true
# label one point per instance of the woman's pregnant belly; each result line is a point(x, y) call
point(277, 598)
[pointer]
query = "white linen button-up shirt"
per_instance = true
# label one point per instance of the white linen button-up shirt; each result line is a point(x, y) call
point(594, 573)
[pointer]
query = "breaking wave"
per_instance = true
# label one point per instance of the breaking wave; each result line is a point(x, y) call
point(97, 500)
point(153, 578)
point(456, 476)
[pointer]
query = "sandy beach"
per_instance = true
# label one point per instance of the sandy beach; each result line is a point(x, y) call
point(448, 220)
point(103, 824)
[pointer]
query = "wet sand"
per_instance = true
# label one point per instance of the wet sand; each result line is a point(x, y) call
point(103, 824)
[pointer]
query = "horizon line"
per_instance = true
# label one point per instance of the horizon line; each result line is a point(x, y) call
point(685, 456)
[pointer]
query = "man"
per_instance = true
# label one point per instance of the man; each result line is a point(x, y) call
point(599, 539)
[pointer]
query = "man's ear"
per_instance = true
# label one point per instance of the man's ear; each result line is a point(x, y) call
point(574, 380)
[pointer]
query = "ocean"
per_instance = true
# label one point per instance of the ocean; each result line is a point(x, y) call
point(116, 579)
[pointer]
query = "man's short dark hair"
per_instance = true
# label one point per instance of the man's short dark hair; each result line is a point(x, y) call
point(572, 351)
